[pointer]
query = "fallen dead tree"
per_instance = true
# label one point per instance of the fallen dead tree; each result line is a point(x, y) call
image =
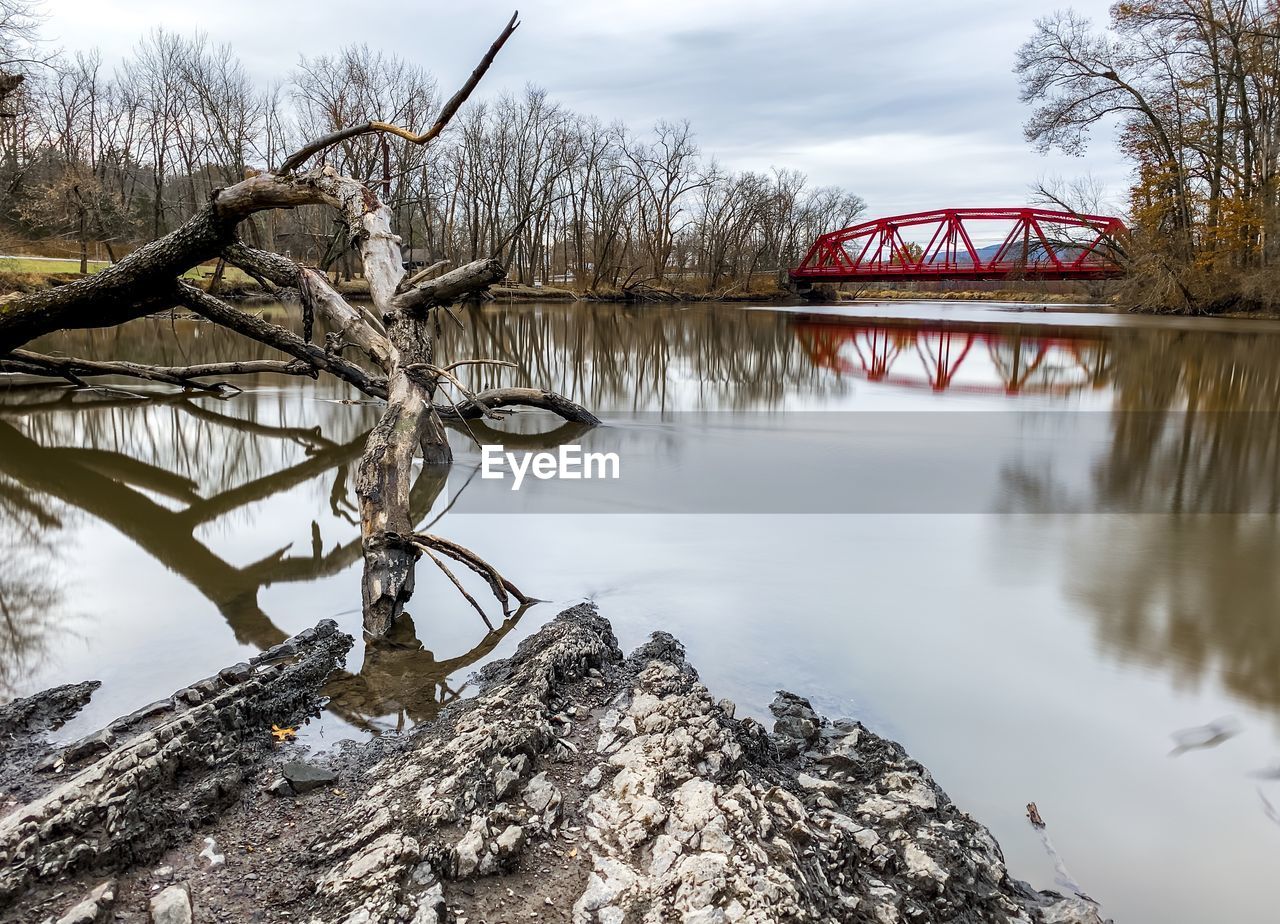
point(394, 342)
point(578, 785)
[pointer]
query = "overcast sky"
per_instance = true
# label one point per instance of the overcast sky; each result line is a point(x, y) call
point(911, 105)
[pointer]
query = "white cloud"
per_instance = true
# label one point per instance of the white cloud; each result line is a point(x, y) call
point(907, 106)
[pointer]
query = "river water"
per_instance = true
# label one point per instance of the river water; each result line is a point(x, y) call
point(1030, 545)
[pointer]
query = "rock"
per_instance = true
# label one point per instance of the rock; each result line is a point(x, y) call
point(282, 652)
point(141, 792)
point(95, 908)
point(1071, 911)
point(921, 865)
point(210, 853)
point(795, 717)
point(504, 783)
point(171, 906)
point(814, 784)
point(236, 673)
point(689, 814)
point(541, 793)
point(89, 745)
point(432, 908)
point(468, 850)
point(510, 841)
point(305, 777)
point(280, 787)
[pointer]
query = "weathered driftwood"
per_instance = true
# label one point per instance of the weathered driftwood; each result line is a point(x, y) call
point(427, 272)
point(385, 475)
point(74, 369)
point(410, 426)
point(254, 327)
point(496, 398)
point(581, 785)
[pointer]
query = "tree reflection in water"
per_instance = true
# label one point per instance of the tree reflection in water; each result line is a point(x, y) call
point(1193, 591)
point(31, 600)
point(400, 677)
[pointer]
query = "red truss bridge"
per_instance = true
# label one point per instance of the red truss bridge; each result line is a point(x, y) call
point(1040, 244)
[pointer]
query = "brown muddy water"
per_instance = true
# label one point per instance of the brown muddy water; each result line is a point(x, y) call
point(1049, 542)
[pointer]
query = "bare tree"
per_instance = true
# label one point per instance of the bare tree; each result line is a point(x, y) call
point(665, 171)
point(18, 22)
point(106, 161)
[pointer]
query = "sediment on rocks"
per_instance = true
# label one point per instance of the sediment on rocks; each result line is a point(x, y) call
point(113, 799)
point(578, 785)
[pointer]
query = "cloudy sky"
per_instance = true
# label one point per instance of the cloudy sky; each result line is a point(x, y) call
point(912, 106)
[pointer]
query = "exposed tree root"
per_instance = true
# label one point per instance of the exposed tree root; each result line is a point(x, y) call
point(495, 398)
point(503, 590)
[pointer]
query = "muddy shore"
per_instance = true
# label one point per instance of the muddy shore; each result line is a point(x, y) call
point(578, 785)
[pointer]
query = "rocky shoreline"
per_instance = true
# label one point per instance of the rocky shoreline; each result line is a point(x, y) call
point(579, 785)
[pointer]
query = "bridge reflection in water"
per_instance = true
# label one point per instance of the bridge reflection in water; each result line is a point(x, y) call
point(191, 482)
point(976, 359)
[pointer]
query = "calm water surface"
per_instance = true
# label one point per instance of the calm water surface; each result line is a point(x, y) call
point(1039, 641)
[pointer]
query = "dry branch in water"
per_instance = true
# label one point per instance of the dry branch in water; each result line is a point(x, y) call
point(503, 590)
point(74, 370)
point(396, 337)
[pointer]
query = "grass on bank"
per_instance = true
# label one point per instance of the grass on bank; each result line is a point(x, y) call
point(22, 274)
point(48, 266)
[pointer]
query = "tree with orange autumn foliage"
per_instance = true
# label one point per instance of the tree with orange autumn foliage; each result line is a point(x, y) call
point(1195, 87)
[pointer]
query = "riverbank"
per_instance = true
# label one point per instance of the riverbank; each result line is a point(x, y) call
point(967, 295)
point(579, 785)
point(236, 286)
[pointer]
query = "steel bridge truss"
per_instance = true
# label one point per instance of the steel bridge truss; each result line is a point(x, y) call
point(1040, 244)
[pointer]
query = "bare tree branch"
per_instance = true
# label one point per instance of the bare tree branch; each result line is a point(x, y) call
point(73, 369)
point(299, 157)
point(495, 398)
point(286, 341)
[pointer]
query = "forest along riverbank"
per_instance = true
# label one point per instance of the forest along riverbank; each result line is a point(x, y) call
point(578, 785)
point(234, 285)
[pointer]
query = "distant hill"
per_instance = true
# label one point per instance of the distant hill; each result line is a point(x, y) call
point(986, 253)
